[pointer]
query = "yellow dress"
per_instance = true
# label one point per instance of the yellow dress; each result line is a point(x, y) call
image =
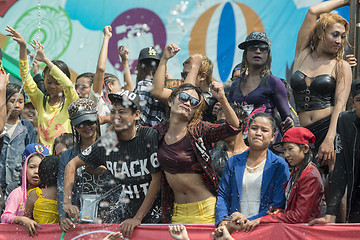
point(45, 210)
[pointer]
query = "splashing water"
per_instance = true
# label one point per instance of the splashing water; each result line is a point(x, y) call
point(109, 142)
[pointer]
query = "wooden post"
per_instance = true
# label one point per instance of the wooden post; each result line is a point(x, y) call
point(354, 34)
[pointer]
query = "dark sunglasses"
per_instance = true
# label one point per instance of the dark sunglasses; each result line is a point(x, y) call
point(86, 123)
point(184, 97)
point(263, 48)
point(184, 75)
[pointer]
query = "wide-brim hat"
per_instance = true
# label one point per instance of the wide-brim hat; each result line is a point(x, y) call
point(253, 38)
point(298, 135)
point(126, 98)
point(150, 53)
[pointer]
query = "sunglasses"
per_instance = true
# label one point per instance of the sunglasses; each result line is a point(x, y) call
point(184, 75)
point(86, 123)
point(184, 97)
point(263, 48)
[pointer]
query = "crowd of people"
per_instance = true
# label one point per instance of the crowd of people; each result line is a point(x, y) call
point(197, 152)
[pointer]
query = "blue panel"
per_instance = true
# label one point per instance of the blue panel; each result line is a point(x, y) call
point(226, 42)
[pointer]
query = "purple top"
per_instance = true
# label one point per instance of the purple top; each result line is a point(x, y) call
point(271, 95)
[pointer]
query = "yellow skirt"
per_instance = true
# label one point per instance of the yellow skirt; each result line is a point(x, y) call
point(202, 212)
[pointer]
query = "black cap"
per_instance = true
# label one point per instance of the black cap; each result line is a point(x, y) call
point(150, 53)
point(255, 37)
point(128, 97)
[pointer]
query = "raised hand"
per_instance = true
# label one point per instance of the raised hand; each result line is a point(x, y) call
point(217, 90)
point(16, 36)
point(124, 53)
point(170, 51)
point(107, 31)
point(40, 56)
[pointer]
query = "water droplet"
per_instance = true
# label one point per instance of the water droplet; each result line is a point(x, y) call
point(142, 103)
point(60, 94)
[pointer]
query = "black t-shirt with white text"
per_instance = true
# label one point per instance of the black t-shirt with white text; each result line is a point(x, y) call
point(129, 175)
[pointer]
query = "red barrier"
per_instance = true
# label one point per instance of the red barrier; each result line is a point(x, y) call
point(196, 232)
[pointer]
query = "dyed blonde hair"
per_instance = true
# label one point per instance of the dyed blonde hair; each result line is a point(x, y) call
point(206, 67)
point(318, 35)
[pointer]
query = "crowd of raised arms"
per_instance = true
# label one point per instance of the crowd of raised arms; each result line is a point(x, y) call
point(189, 151)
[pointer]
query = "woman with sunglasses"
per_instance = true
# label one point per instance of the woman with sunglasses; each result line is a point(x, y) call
point(189, 183)
point(256, 88)
point(321, 78)
point(85, 128)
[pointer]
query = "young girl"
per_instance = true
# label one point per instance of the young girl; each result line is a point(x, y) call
point(304, 190)
point(60, 92)
point(15, 204)
point(18, 134)
point(41, 204)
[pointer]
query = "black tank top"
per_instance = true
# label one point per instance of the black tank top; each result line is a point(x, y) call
point(319, 95)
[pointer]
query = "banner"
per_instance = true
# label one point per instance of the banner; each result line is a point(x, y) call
point(71, 30)
point(278, 231)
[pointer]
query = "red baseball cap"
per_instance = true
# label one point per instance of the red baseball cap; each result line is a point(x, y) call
point(297, 135)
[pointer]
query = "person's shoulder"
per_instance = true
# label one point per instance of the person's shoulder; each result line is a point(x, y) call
point(274, 81)
point(147, 131)
point(276, 158)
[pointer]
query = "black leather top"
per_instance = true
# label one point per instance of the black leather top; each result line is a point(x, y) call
point(319, 95)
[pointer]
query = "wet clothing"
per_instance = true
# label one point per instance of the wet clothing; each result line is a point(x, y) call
point(271, 95)
point(275, 174)
point(153, 111)
point(347, 167)
point(53, 120)
point(303, 199)
point(11, 152)
point(45, 210)
point(178, 157)
point(130, 168)
point(15, 204)
point(202, 138)
point(319, 95)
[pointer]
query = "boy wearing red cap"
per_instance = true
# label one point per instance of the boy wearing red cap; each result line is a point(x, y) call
point(304, 190)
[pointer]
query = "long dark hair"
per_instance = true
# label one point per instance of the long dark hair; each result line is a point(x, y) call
point(264, 115)
point(77, 137)
point(66, 138)
point(65, 69)
point(145, 68)
point(12, 89)
point(264, 73)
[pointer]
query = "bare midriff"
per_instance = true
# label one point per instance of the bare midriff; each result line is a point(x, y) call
point(188, 187)
point(308, 117)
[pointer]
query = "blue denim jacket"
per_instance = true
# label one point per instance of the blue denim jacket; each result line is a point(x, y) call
point(11, 152)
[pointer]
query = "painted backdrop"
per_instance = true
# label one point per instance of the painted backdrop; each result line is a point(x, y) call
point(71, 30)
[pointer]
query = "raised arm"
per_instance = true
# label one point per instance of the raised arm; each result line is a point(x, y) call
point(100, 68)
point(304, 36)
point(124, 55)
point(159, 91)
point(217, 90)
point(195, 64)
point(69, 179)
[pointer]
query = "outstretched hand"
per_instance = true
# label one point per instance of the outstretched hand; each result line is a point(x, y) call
point(127, 226)
point(16, 36)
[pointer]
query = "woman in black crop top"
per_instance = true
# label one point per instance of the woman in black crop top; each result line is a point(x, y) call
point(321, 79)
point(189, 183)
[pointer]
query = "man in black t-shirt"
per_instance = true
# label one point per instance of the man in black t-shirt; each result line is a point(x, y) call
point(130, 155)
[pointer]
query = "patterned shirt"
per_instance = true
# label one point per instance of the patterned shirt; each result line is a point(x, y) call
point(153, 111)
